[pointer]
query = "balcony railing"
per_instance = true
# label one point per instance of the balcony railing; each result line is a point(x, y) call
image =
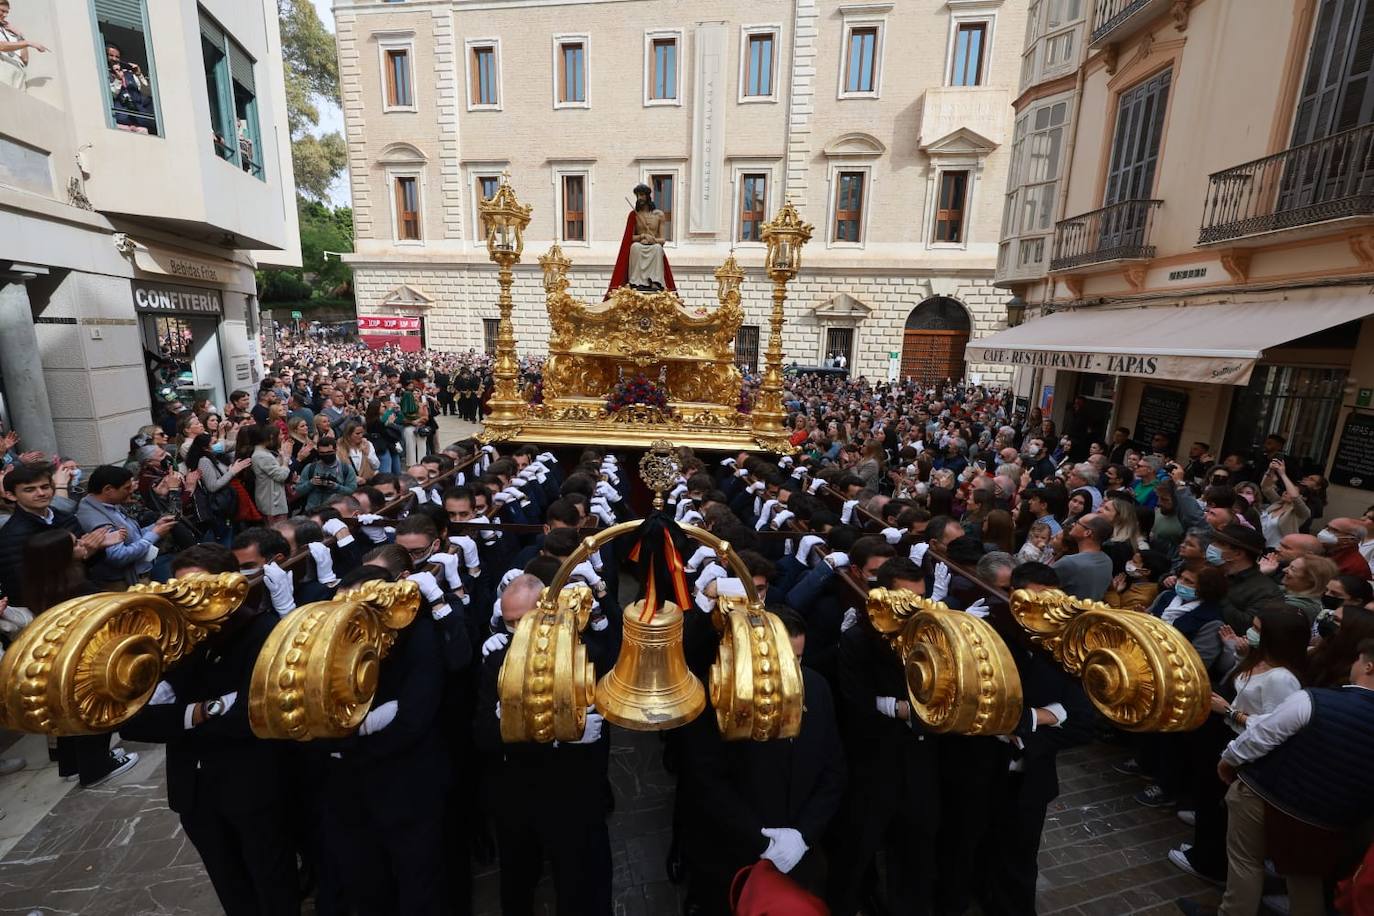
point(1327, 179)
point(1120, 232)
point(1108, 14)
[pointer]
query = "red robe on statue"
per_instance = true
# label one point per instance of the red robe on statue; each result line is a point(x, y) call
point(621, 275)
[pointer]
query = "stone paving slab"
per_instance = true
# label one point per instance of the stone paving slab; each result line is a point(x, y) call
point(119, 850)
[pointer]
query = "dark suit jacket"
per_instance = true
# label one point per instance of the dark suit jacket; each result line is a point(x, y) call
point(221, 756)
point(14, 534)
point(740, 787)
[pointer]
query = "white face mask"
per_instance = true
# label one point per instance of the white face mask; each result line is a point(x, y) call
point(1328, 537)
point(1032, 450)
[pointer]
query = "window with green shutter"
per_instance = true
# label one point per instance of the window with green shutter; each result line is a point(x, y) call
point(231, 89)
point(126, 60)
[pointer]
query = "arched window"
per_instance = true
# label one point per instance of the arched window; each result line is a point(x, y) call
point(933, 342)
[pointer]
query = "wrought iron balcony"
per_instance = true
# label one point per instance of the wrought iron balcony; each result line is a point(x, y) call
point(1120, 232)
point(1114, 20)
point(1327, 179)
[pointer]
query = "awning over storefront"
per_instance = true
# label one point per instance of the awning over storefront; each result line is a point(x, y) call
point(1217, 343)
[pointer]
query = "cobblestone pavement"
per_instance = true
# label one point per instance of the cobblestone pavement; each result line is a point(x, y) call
point(119, 850)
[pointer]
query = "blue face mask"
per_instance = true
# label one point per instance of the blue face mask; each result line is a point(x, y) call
point(1214, 556)
point(1252, 636)
point(1186, 592)
point(217, 447)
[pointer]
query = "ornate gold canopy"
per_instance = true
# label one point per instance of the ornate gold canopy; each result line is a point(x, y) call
point(685, 353)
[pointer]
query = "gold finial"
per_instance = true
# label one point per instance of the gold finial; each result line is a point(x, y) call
point(659, 469)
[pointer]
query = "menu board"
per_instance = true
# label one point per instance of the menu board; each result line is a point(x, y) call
point(1162, 410)
point(1353, 465)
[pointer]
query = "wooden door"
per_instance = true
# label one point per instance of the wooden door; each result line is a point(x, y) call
point(933, 356)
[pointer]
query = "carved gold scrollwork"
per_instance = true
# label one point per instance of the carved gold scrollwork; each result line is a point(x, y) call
point(546, 682)
point(1139, 671)
point(960, 676)
point(87, 665)
point(755, 681)
point(1045, 614)
point(316, 675)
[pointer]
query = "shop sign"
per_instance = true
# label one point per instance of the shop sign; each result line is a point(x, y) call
point(1217, 370)
point(1353, 465)
point(160, 298)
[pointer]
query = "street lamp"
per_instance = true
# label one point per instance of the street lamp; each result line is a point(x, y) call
point(504, 220)
point(729, 276)
point(784, 235)
point(1016, 311)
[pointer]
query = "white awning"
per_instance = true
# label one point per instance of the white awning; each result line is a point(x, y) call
point(1217, 343)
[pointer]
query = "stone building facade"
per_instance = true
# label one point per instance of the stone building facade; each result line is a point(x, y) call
point(887, 124)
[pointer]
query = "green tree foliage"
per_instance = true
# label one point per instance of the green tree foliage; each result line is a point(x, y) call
point(312, 73)
point(323, 229)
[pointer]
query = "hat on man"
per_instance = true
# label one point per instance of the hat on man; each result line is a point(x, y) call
point(1247, 539)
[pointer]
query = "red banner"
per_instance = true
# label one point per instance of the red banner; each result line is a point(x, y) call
point(387, 323)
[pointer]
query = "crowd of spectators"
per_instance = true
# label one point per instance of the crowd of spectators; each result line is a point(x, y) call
point(332, 472)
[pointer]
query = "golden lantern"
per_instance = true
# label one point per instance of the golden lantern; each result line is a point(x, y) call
point(729, 276)
point(504, 220)
point(555, 265)
point(784, 235)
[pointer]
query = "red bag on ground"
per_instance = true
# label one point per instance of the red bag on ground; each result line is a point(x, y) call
point(761, 890)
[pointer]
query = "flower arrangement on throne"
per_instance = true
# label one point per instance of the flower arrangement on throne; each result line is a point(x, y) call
point(639, 390)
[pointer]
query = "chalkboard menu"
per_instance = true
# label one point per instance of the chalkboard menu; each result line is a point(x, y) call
point(1354, 462)
point(1161, 411)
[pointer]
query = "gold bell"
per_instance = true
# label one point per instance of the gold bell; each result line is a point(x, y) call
point(650, 688)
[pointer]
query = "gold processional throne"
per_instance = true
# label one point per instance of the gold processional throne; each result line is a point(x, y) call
point(684, 354)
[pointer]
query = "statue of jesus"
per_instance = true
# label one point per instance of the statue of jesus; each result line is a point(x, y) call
point(642, 263)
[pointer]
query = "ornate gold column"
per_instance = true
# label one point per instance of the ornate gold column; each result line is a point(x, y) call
point(784, 235)
point(504, 220)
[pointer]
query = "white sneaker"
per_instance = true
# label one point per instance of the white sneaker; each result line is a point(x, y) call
point(123, 763)
point(1187, 815)
point(10, 765)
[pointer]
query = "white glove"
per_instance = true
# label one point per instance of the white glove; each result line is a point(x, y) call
point(892, 535)
point(785, 461)
point(584, 572)
point(941, 587)
point(449, 562)
point(488, 535)
point(756, 487)
point(279, 587)
point(17, 615)
point(489, 450)
point(838, 559)
point(782, 518)
point(979, 609)
point(785, 847)
point(595, 559)
point(676, 492)
point(592, 733)
point(471, 559)
point(601, 509)
point(163, 695)
point(545, 457)
point(371, 519)
point(420, 495)
point(851, 617)
point(808, 543)
point(918, 552)
point(527, 473)
point(691, 517)
point(324, 564)
point(379, 718)
point(339, 529)
point(847, 511)
point(612, 476)
point(765, 514)
point(608, 492)
point(727, 462)
point(428, 585)
point(506, 579)
point(887, 706)
point(741, 472)
point(815, 485)
point(701, 556)
point(495, 643)
point(684, 506)
point(501, 498)
point(798, 472)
